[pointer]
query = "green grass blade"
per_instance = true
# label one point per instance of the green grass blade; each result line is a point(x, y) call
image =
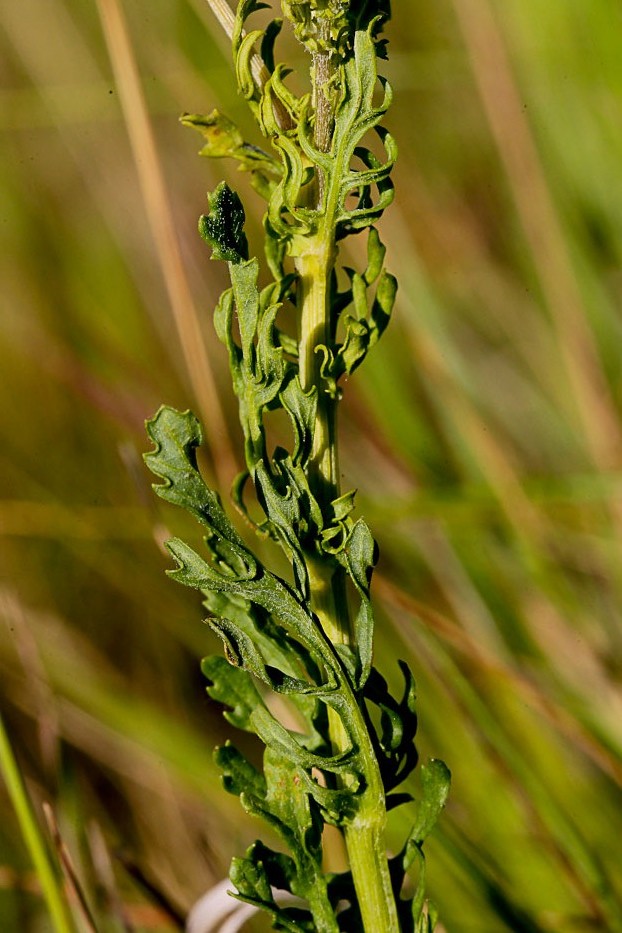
point(33, 837)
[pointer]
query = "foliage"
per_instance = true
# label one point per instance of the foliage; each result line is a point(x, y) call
point(470, 437)
point(338, 767)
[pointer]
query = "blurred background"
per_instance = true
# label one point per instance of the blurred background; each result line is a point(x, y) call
point(483, 434)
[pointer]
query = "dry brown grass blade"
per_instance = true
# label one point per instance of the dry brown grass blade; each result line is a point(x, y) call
point(223, 13)
point(102, 864)
point(160, 216)
point(153, 890)
point(68, 868)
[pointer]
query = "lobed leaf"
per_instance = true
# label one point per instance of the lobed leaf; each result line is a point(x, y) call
point(283, 799)
point(223, 139)
point(435, 782)
point(395, 743)
point(234, 688)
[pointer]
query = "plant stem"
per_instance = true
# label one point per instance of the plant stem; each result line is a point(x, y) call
point(315, 261)
point(315, 267)
point(33, 837)
point(370, 871)
point(327, 584)
point(365, 843)
point(364, 836)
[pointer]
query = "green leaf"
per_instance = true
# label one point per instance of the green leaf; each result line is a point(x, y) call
point(427, 920)
point(223, 226)
point(396, 750)
point(251, 881)
point(301, 407)
point(363, 331)
point(338, 524)
point(290, 665)
point(270, 36)
point(233, 570)
point(176, 436)
point(276, 89)
point(280, 869)
point(284, 800)
point(233, 688)
point(284, 495)
point(356, 114)
point(258, 366)
point(264, 591)
point(255, 875)
point(242, 650)
point(223, 139)
point(359, 556)
point(435, 783)
point(435, 780)
point(239, 775)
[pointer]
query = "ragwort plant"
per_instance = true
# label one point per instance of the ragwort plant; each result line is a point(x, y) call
point(309, 638)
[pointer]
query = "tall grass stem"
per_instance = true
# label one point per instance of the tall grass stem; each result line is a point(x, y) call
point(51, 885)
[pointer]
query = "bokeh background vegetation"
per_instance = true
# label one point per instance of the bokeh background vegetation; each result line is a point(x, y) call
point(483, 434)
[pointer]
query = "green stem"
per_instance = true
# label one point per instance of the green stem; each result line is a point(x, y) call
point(315, 266)
point(364, 836)
point(365, 843)
point(327, 584)
point(370, 871)
point(33, 837)
point(315, 257)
